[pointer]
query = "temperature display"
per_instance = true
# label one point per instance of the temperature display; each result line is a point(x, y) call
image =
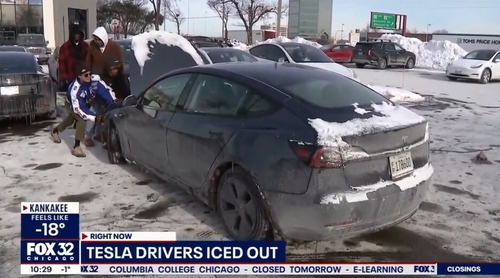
point(51, 229)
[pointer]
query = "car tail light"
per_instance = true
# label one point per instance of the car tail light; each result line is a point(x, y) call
point(370, 52)
point(317, 157)
point(326, 158)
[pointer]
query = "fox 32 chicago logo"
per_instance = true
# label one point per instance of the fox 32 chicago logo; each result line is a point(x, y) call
point(50, 251)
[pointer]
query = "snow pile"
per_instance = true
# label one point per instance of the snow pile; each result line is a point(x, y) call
point(233, 43)
point(432, 54)
point(296, 39)
point(140, 45)
point(330, 134)
point(397, 95)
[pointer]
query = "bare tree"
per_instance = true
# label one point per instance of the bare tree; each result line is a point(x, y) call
point(156, 10)
point(251, 12)
point(128, 13)
point(224, 9)
point(174, 14)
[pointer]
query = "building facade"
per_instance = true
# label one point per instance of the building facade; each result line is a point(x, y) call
point(53, 18)
point(310, 19)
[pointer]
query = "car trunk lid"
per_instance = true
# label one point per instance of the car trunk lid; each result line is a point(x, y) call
point(363, 50)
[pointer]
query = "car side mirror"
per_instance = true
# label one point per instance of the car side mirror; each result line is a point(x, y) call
point(282, 60)
point(130, 101)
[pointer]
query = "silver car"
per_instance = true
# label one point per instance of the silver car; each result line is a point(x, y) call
point(35, 44)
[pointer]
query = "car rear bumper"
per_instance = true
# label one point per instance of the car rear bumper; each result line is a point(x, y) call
point(466, 73)
point(364, 61)
point(24, 106)
point(305, 218)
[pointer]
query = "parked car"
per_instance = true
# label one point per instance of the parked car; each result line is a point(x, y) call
point(12, 48)
point(240, 136)
point(299, 53)
point(25, 90)
point(214, 55)
point(201, 41)
point(339, 53)
point(481, 65)
point(382, 54)
point(36, 44)
point(54, 61)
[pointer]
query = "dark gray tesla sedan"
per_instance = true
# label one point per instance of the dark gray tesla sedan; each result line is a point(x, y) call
point(278, 150)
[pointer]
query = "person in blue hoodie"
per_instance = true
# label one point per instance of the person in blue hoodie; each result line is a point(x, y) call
point(79, 97)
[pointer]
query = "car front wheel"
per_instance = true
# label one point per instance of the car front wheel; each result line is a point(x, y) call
point(485, 76)
point(240, 206)
point(115, 155)
point(410, 63)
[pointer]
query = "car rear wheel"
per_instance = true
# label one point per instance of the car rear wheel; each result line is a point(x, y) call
point(240, 206)
point(452, 78)
point(382, 63)
point(115, 155)
point(410, 63)
point(485, 76)
point(360, 66)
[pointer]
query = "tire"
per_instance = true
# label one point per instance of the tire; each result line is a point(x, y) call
point(360, 66)
point(382, 63)
point(485, 76)
point(452, 78)
point(115, 155)
point(410, 63)
point(238, 196)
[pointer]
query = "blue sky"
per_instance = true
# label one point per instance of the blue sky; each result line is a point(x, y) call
point(457, 16)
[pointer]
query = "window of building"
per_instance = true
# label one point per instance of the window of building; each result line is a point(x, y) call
point(7, 2)
point(8, 15)
point(22, 2)
point(35, 2)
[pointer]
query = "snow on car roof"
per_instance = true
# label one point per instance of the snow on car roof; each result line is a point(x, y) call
point(140, 45)
point(330, 134)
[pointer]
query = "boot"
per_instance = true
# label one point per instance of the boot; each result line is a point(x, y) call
point(55, 137)
point(88, 142)
point(78, 152)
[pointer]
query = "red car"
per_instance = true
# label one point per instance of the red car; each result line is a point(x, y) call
point(340, 53)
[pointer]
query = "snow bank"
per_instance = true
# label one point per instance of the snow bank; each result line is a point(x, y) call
point(432, 54)
point(330, 134)
point(140, 45)
point(397, 95)
point(296, 39)
point(237, 44)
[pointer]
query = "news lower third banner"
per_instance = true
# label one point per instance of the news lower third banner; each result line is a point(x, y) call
point(52, 244)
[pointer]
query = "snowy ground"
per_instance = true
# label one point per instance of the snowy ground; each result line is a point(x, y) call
point(459, 221)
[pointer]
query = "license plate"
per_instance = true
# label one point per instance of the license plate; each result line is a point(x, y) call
point(400, 165)
point(9, 90)
point(458, 72)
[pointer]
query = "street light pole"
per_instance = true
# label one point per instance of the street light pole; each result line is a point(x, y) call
point(427, 33)
point(278, 19)
point(342, 32)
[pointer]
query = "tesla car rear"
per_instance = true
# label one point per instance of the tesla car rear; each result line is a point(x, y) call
point(369, 167)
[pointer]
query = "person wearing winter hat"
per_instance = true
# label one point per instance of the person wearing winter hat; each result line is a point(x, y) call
point(116, 79)
point(100, 48)
point(79, 97)
point(72, 52)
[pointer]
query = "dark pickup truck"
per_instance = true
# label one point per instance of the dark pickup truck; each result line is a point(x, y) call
point(35, 44)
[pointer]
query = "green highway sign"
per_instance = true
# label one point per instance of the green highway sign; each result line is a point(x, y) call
point(383, 21)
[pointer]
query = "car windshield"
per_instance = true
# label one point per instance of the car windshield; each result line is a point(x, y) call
point(31, 40)
point(483, 55)
point(325, 89)
point(15, 64)
point(226, 56)
point(306, 54)
point(12, 48)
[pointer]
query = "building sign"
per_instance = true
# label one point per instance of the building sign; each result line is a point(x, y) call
point(382, 21)
point(478, 41)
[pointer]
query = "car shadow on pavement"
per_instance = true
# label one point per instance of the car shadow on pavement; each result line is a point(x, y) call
point(442, 77)
point(167, 199)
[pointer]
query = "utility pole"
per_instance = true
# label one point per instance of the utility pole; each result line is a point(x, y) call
point(224, 19)
point(278, 20)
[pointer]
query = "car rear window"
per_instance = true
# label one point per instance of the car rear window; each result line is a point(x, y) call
point(14, 64)
point(329, 90)
point(227, 56)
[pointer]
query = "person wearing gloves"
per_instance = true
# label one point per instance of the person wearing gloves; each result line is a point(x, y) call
point(71, 52)
point(79, 97)
point(100, 49)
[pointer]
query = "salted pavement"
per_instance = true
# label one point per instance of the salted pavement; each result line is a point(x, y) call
point(459, 221)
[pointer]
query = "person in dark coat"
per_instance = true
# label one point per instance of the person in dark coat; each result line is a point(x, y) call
point(71, 53)
point(116, 79)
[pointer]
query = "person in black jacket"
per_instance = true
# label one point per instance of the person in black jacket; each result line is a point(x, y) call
point(117, 80)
